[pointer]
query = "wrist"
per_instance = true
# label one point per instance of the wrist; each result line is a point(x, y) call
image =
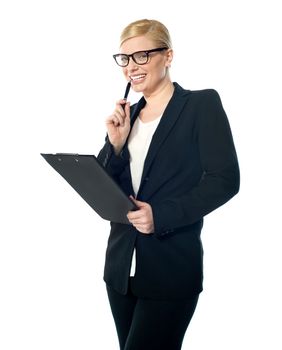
point(117, 150)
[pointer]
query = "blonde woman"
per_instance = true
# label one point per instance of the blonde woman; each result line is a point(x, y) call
point(173, 153)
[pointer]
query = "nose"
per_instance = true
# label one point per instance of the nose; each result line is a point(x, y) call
point(131, 65)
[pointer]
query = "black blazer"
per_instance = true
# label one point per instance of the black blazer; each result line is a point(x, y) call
point(191, 169)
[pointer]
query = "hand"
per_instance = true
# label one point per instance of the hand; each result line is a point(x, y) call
point(118, 125)
point(142, 219)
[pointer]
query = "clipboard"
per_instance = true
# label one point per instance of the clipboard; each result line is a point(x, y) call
point(91, 181)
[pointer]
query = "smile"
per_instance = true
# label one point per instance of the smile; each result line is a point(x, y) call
point(137, 77)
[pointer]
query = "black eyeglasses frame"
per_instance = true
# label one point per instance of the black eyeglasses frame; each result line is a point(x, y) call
point(147, 52)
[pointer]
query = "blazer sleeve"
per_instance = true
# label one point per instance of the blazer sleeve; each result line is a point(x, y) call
point(114, 164)
point(220, 178)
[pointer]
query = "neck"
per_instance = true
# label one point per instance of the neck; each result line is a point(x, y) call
point(160, 96)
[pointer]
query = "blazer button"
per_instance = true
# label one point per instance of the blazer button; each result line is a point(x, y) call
point(165, 232)
point(146, 179)
point(169, 231)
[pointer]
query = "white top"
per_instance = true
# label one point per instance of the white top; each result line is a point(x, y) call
point(138, 144)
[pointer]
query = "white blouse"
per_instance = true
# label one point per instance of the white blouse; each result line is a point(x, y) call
point(138, 144)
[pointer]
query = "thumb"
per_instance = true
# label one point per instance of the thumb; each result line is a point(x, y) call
point(127, 110)
point(138, 203)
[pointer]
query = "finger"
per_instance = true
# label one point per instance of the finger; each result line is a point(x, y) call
point(127, 110)
point(115, 118)
point(135, 215)
point(138, 203)
point(120, 118)
point(141, 221)
point(120, 106)
point(122, 101)
point(143, 228)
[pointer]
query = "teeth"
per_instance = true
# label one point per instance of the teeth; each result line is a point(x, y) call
point(136, 77)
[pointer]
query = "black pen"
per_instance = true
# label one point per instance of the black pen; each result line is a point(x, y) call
point(126, 93)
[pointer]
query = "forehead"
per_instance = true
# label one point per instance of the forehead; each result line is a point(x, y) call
point(137, 43)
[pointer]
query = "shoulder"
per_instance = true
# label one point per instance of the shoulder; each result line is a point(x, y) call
point(206, 107)
point(201, 96)
point(207, 99)
point(195, 93)
point(205, 93)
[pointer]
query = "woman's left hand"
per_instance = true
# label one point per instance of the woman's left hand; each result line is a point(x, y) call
point(142, 218)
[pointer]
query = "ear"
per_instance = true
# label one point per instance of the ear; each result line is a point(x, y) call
point(169, 57)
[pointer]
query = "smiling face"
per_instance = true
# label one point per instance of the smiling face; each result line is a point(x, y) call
point(147, 78)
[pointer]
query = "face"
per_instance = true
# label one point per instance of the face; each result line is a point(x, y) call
point(146, 78)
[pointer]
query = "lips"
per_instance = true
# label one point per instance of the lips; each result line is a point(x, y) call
point(137, 77)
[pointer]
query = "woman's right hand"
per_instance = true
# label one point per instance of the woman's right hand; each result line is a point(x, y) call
point(118, 125)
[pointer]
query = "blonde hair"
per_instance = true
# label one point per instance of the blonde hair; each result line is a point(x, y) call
point(152, 29)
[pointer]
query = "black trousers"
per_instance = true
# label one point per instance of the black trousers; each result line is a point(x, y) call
point(146, 324)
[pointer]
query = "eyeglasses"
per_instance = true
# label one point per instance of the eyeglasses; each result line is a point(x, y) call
point(139, 57)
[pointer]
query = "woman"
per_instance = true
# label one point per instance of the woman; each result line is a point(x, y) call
point(173, 153)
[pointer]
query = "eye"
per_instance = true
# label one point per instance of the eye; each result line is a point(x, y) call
point(140, 55)
point(123, 58)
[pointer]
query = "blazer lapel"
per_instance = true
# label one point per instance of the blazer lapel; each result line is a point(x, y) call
point(136, 110)
point(167, 121)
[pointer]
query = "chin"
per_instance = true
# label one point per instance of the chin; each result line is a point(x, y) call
point(138, 87)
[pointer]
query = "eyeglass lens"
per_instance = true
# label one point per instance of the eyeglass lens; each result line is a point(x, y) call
point(138, 57)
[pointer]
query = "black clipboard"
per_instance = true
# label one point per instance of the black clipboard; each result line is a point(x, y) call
point(91, 181)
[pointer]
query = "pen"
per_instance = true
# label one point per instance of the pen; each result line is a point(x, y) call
point(126, 92)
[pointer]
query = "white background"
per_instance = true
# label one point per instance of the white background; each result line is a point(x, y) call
point(58, 84)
